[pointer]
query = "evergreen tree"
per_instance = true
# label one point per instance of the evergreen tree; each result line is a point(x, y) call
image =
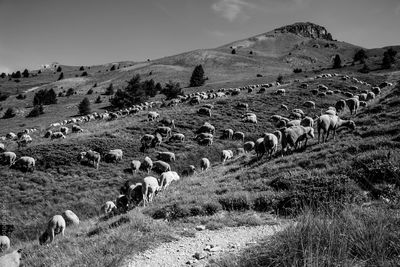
point(389, 58)
point(3, 75)
point(158, 88)
point(233, 52)
point(59, 69)
point(90, 91)
point(149, 87)
point(70, 92)
point(84, 74)
point(51, 97)
point(279, 79)
point(10, 112)
point(81, 68)
point(16, 75)
point(172, 90)
point(84, 106)
point(112, 68)
point(197, 78)
point(45, 97)
point(133, 94)
point(25, 73)
point(364, 69)
point(98, 100)
point(360, 56)
point(109, 89)
point(36, 111)
point(61, 76)
point(337, 62)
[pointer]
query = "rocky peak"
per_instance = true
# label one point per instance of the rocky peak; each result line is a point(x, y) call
point(307, 29)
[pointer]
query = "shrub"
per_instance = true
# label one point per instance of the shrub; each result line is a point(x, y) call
point(233, 52)
point(280, 78)
point(84, 106)
point(112, 68)
point(172, 90)
point(59, 69)
point(197, 78)
point(10, 112)
point(16, 75)
point(109, 89)
point(94, 85)
point(45, 97)
point(259, 75)
point(337, 62)
point(3, 75)
point(25, 73)
point(360, 56)
point(3, 96)
point(84, 74)
point(364, 69)
point(36, 111)
point(81, 68)
point(61, 76)
point(389, 58)
point(21, 96)
point(98, 100)
point(90, 91)
point(70, 92)
point(211, 208)
point(297, 70)
point(235, 201)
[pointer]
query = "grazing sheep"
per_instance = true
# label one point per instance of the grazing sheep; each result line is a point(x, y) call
point(152, 116)
point(8, 158)
point(283, 106)
point(168, 122)
point(204, 164)
point(48, 134)
point(376, 90)
point(204, 111)
point(11, 136)
point(330, 112)
point(177, 137)
point(57, 135)
point(157, 141)
point(328, 123)
point(370, 96)
point(25, 163)
point(307, 122)
point(160, 166)
point(55, 225)
point(227, 134)
point(76, 129)
point(91, 157)
point(294, 135)
point(134, 193)
point(12, 259)
point(108, 207)
point(147, 140)
point(270, 142)
point(70, 218)
point(163, 131)
point(363, 104)
point(166, 156)
point(150, 188)
point(167, 177)
point(238, 136)
point(114, 155)
point(147, 164)
point(353, 104)
point(64, 130)
point(314, 91)
point(322, 87)
point(226, 155)
point(362, 97)
point(121, 202)
point(209, 106)
point(292, 123)
point(248, 146)
point(4, 243)
point(309, 104)
point(243, 105)
point(205, 141)
point(189, 170)
point(135, 166)
point(348, 94)
point(2, 147)
point(250, 117)
point(280, 91)
point(295, 116)
point(202, 136)
point(340, 105)
point(206, 128)
point(259, 147)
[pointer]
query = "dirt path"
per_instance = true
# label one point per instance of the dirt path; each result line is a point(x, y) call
point(207, 244)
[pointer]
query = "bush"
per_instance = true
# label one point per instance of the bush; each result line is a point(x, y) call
point(84, 106)
point(280, 78)
point(10, 112)
point(25, 73)
point(36, 111)
point(98, 100)
point(297, 70)
point(233, 52)
point(3, 96)
point(59, 69)
point(337, 62)
point(90, 91)
point(364, 69)
point(109, 89)
point(45, 97)
point(235, 201)
point(112, 68)
point(360, 56)
point(197, 78)
point(70, 92)
point(211, 208)
point(81, 68)
point(21, 96)
point(172, 90)
point(259, 75)
point(389, 58)
point(84, 74)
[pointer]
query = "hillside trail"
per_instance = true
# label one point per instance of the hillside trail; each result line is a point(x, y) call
point(207, 245)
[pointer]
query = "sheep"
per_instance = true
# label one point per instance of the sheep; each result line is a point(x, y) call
point(209, 106)
point(348, 94)
point(205, 141)
point(57, 135)
point(362, 97)
point(166, 156)
point(11, 136)
point(248, 146)
point(4, 243)
point(147, 164)
point(121, 202)
point(91, 157)
point(353, 104)
point(189, 170)
point(177, 137)
point(150, 188)
point(147, 139)
point(64, 130)
point(2, 147)
point(270, 142)
point(206, 128)
point(163, 131)
point(328, 123)
point(204, 111)
point(250, 117)
point(8, 157)
point(160, 166)
point(134, 193)
point(202, 136)
point(113, 155)
point(12, 259)
point(330, 112)
point(226, 155)
point(292, 123)
point(314, 91)
point(295, 116)
point(259, 147)
point(376, 90)
point(340, 105)
point(309, 104)
point(76, 129)
point(55, 225)
point(238, 136)
point(370, 96)
point(363, 104)
point(152, 116)
point(307, 122)
point(285, 107)
point(168, 122)
point(280, 91)
point(25, 163)
point(48, 134)
point(242, 105)
point(205, 164)
point(294, 135)
point(322, 87)
point(135, 166)
point(227, 134)
point(108, 207)
point(70, 218)
point(167, 177)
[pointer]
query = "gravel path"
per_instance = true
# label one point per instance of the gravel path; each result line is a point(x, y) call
point(205, 246)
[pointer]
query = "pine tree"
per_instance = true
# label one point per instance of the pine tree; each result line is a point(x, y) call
point(149, 87)
point(337, 62)
point(112, 68)
point(81, 68)
point(172, 90)
point(51, 97)
point(360, 56)
point(133, 94)
point(84, 106)
point(59, 69)
point(36, 111)
point(3, 75)
point(25, 73)
point(197, 78)
point(70, 92)
point(10, 112)
point(61, 76)
point(98, 100)
point(109, 89)
point(389, 58)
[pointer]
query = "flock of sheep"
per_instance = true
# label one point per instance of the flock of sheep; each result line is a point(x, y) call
point(291, 133)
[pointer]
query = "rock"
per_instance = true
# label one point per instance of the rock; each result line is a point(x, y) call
point(215, 249)
point(199, 255)
point(200, 227)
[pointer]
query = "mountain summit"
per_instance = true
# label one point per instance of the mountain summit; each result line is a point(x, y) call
point(306, 29)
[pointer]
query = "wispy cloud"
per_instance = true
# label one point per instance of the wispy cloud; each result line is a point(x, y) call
point(231, 9)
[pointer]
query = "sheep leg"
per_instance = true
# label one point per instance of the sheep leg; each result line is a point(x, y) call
point(51, 235)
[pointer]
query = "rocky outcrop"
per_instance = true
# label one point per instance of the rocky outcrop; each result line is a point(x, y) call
point(307, 29)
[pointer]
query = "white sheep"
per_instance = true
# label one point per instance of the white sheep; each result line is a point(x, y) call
point(12, 259)
point(8, 157)
point(64, 130)
point(353, 104)
point(4, 243)
point(166, 156)
point(270, 142)
point(135, 166)
point(327, 123)
point(226, 155)
point(108, 207)
point(150, 188)
point(91, 156)
point(204, 164)
point(114, 155)
point(227, 134)
point(161, 166)
point(259, 147)
point(147, 164)
point(238, 136)
point(248, 146)
point(55, 225)
point(25, 163)
point(309, 104)
point(167, 177)
point(294, 135)
point(177, 137)
point(70, 217)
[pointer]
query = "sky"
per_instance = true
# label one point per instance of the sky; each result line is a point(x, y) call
point(89, 32)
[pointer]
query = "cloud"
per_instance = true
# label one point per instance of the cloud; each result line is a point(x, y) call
point(230, 9)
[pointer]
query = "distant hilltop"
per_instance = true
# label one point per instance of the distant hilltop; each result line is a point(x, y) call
point(50, 66)
point(306, 29)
